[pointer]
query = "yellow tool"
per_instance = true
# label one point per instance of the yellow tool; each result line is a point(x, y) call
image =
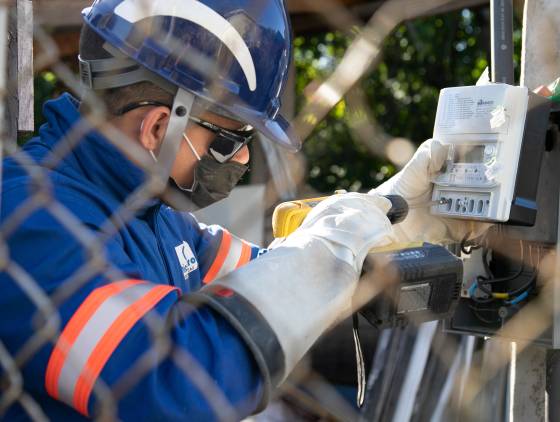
point(288, 216)
point(429, 276)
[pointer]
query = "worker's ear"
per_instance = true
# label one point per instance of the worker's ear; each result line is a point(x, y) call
point(153, 128)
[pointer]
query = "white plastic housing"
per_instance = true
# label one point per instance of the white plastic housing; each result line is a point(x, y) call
point(483, 126)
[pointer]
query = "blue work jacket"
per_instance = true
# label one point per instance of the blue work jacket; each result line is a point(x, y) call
point(86, 288)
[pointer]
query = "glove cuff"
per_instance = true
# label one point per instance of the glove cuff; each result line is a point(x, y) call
point(282, 302)
point(252, 326)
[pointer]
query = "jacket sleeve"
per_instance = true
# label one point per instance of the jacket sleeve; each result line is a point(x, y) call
point(221, 252)
point(121, 344)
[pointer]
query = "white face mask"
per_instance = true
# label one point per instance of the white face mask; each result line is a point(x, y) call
point(186, 138)
point(150, 151)
point(189, 143)
point(153, 155)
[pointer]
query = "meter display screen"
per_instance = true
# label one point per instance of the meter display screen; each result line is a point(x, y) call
point(468, 153)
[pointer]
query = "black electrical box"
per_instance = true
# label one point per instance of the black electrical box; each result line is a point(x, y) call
point(421, 284)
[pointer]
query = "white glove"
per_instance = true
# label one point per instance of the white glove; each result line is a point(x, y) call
point(414, 184)
point(283, 301)
point(350, 224)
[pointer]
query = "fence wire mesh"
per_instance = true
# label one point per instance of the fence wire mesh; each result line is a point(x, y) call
point(452, 376)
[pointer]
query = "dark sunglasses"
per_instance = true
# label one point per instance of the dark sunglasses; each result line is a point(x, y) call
point(227, 142)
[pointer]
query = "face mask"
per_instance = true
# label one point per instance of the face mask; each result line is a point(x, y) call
point(214, 181)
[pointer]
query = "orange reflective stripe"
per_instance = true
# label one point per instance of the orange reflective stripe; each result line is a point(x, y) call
point(74, 327)
point(92, 335)
point(245, 254)
point(223, 252)
point(111, 339)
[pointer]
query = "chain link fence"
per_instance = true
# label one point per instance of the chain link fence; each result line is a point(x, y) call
point(416, 373)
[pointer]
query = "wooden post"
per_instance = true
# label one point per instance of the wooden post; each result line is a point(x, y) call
point(19, 111)
point(3, 71)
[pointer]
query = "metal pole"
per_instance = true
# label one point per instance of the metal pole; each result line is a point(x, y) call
point(415, 372)
point(501, 12)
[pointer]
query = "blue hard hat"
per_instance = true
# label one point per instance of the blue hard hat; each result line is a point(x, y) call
point(233, 54)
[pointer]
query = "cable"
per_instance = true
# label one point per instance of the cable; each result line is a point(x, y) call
point(481, 279)
point(509, 298)
point(485, 254)
point(472, 247)
point(472, 289)
point(527, 286)
point(477, 311)
point(508, 278)
point(519, 298)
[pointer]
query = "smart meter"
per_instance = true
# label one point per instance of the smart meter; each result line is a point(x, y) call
point(495, 136)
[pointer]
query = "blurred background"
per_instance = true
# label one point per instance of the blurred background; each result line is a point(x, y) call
point(376, 125)
point(363, 95)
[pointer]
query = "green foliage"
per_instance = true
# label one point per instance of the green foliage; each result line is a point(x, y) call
point(46, 87)
point(419, 58)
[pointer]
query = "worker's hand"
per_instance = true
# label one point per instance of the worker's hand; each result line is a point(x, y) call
point(350, 224)
point(414, 183)
point(305, 285)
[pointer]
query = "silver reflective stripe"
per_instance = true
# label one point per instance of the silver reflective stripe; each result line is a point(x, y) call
point(91, 334)
point(232, 257)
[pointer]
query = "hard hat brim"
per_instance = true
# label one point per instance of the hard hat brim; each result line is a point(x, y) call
point(277, 129)
point(280, 131)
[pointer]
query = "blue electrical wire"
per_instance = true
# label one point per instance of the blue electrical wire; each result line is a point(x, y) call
point(519, 298)
point(472, 289)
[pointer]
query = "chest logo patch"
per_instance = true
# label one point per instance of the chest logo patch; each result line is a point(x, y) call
point(186, 259)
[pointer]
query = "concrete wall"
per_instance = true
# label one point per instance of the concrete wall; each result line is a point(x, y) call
point(541, 46)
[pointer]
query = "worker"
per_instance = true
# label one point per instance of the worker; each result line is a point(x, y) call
point(114, 303)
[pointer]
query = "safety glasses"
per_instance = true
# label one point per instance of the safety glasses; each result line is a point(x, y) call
point(227, 142)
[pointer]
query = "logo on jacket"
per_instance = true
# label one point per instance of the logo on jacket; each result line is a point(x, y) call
point(186, 259)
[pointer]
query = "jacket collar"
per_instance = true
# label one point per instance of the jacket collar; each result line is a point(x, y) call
point(95, 158)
